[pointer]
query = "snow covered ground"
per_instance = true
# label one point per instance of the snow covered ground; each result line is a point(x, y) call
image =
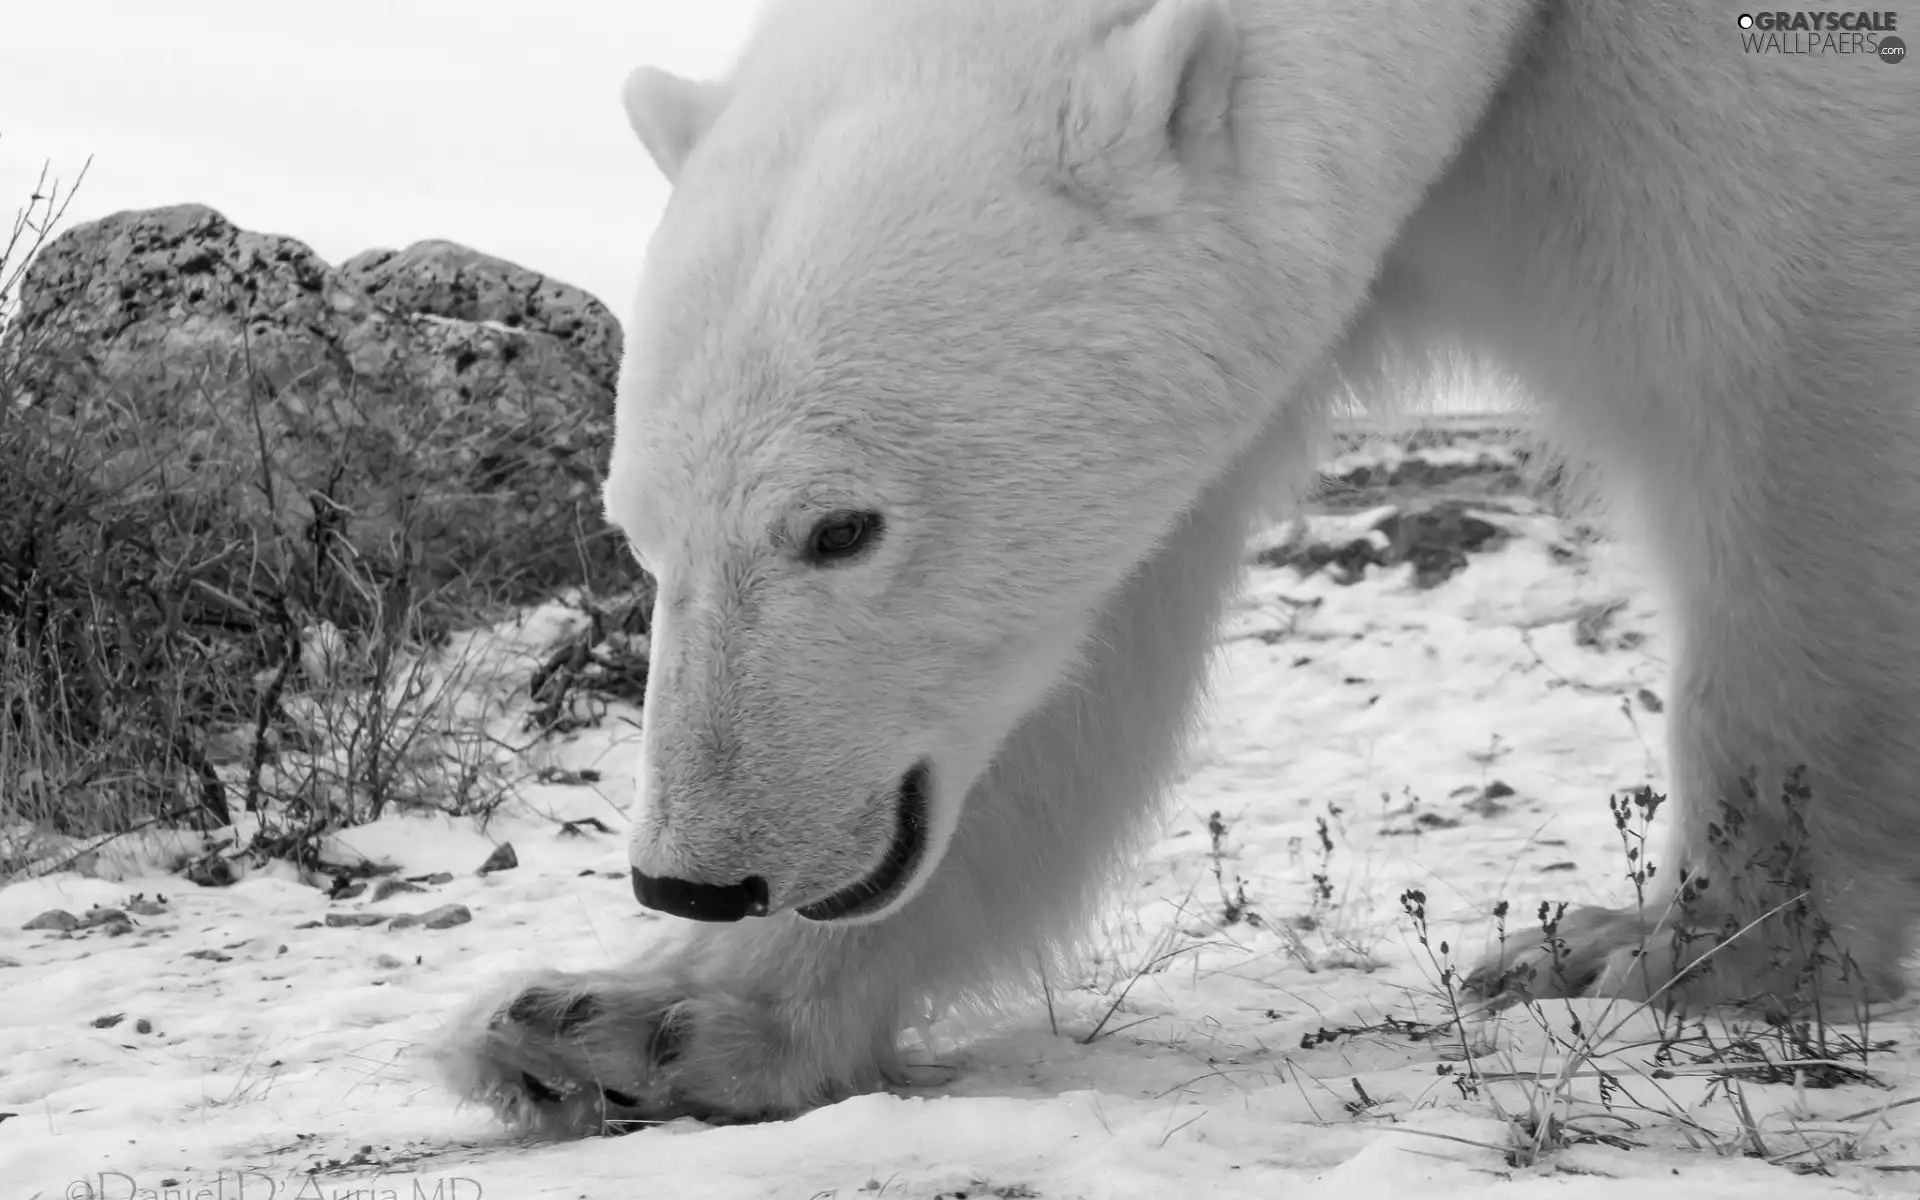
point(1240, 1028)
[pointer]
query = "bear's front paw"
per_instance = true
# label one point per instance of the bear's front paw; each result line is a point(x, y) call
point(573, 1055)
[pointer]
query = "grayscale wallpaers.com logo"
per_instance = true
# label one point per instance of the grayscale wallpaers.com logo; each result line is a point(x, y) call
point(1864, 33)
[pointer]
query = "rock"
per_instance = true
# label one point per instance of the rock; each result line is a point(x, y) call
point(566, 778)
point(58, 919)
point(447, 916)
point(1436, 538)
point(387, 962)
point(210, 870)
point(444, 917)
point(502, 859)
point(108, 1021)
point(438, 877)
point(1487, 802)
point(8, 961)
point(354, 920)
point(103, 916)
point(387, 887)
point(433, 397)
point(143, 1026)
point(444, 279)
point(1590, 627)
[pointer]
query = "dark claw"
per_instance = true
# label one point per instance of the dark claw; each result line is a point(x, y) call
point(537, 1009)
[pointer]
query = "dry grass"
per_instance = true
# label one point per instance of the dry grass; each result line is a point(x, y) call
point(1561, 1073)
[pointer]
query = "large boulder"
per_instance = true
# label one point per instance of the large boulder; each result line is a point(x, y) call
point(432, 406)
point(446, 279)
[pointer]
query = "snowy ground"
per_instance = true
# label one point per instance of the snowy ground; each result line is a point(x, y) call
point(1463, 740)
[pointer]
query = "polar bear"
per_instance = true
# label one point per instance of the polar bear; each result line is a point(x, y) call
point(977, 334)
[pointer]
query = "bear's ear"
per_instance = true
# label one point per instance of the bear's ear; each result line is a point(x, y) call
point(1155, 91)
point(670, 114)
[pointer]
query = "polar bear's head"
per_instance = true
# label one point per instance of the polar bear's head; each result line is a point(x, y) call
point(918, 374)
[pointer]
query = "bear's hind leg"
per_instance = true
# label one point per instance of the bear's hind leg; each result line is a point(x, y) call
point(1784, 515)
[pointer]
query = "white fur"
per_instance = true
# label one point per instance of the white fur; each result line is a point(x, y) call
point(1065, 290)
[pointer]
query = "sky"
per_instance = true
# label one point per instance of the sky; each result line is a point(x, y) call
point(371, 123)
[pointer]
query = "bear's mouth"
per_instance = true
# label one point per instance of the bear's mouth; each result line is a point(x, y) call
point(903, 856)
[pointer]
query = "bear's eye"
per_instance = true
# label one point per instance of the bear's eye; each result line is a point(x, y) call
point(842, 535)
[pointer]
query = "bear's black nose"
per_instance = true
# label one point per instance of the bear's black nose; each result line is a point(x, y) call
point(702, 901)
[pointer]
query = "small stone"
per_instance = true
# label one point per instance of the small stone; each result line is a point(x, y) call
point(350, 891)
point(102, 916)
point(143, 1026)
point(444, 917)
point(354, 920)
point(1487, 803)
point(387, 962)
point(447, 916)
point(109, 1021)
point(502, 859)
point(387, 887)
point(211, 871)
point(56, 919)
point(438, 877)
point(210, 955)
